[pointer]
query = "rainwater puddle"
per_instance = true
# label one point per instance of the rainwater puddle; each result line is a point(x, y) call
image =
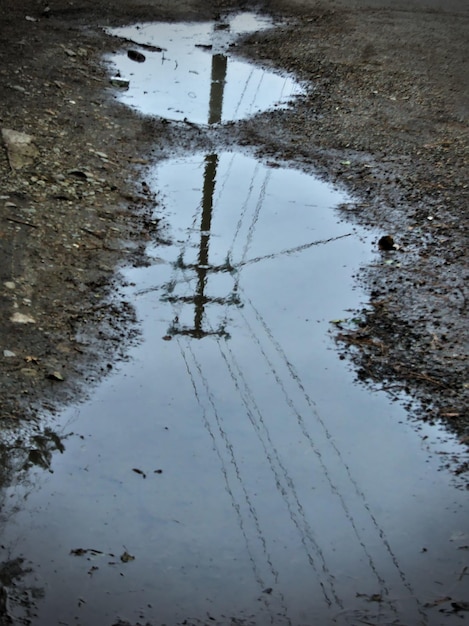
point(232, 471)
point(233, 457)
point(188, 72)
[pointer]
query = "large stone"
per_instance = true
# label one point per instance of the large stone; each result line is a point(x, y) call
point(20, 148)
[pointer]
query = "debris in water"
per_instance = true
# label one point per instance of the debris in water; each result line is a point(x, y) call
point(138, 57)
point(117, 81)
point(126, 557)
point(78, 552)
point(83, 551)
point(437, 602)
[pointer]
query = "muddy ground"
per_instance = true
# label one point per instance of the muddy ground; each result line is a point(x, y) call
point(385, 116)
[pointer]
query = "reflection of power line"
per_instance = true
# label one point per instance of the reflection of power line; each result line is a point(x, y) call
point(288, 490)
point(241, 96)
point(247, 397)
point(228, 266)
point(254, 98)
point(245, 393)
point(255, 217)
point(312, 405)
point(283, 481)
point(218, 432)
point(243, 211)
point(274, 255)
point(310, 402)
point(333, 487)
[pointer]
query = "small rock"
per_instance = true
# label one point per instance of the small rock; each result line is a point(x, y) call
point(31, 359)
point(29, 371)
point(55, 376)
point(386, 243)
point(80, 174)
point(22, 318)
point(8, 354)
point(20, 148)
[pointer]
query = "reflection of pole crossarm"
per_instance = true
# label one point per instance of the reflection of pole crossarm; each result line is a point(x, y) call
point(202, 268)
point(198, 300)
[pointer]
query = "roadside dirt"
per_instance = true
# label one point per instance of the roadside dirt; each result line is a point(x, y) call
point(385, 117)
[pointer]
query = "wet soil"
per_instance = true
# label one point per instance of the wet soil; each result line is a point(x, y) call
point(385, 116)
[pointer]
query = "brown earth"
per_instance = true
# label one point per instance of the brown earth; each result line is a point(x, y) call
point(385, 116)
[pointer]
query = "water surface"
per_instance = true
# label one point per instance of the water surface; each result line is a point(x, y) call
point(234, 456)
point(193, 76)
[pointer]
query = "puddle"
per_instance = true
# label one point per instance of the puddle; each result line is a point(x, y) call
point(233, 455)
point(232, 471)
point(192, 75)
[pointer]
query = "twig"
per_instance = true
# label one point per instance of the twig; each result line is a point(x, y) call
point(16, 221)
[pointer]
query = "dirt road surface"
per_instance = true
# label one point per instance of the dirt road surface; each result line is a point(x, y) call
point(385, 116)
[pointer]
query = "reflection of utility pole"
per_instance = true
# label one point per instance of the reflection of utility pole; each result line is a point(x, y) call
point(217, 86)
point(211, 162)
point(203, 268)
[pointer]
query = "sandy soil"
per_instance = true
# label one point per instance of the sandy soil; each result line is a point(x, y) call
point(386, 116)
